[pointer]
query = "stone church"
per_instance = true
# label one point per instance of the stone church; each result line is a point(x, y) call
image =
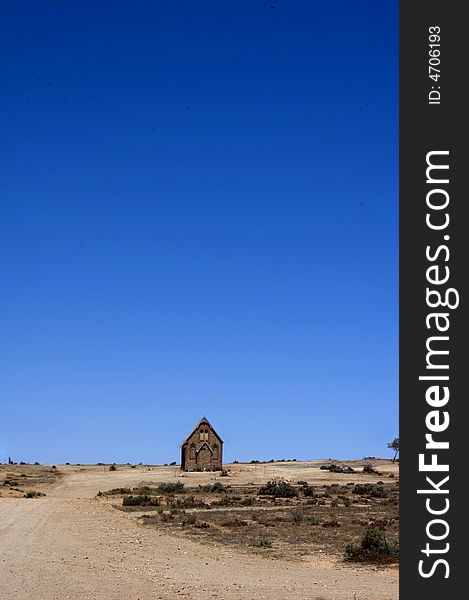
point(202, 449)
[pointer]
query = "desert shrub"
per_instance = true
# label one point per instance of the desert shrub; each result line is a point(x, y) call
point(297, 516)
point(189, 520)
point(372, 548)
point(113, 468)
point(176, 487)
point(202, 525)
point(308, 491)
point(145, 490)
point(33, 494)
point(224, 473)
point(165, 517)
point(314, 521)
point(368, 468)
point(189, 502)
point(368, 489)
point(268, 520)
point(278, 489)
point(263, 543)
point(140, 500)
point(216, 488)
point(248, 501)
point(334, 468)
point(224, 501)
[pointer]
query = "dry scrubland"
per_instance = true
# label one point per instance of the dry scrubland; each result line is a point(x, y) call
point(108, 534)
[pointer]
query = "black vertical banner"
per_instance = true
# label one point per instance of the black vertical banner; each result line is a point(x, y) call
point(434, 267)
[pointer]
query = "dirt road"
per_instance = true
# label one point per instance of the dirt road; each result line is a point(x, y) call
point(70, 545)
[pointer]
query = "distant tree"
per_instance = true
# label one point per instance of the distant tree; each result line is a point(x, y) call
point(394, 445)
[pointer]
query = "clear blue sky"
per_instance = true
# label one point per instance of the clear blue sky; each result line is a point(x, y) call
point(199, 216)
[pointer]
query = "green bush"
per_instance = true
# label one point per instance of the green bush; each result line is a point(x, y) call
point(372, 548)
point(140, 500)
point(216, 488)
point(278, 489)
point(176, 487)
point(368, 489)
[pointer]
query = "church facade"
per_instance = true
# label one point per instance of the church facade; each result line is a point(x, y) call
point(202, 450)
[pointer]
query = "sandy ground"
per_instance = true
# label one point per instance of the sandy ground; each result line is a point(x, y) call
point(70, 544)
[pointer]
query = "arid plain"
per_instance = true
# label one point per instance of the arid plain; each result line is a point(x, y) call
point(79, 542)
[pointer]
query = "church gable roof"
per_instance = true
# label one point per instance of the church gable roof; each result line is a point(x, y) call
point(203, 421)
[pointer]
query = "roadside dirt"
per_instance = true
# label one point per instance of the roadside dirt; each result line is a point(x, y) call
point(70, 545)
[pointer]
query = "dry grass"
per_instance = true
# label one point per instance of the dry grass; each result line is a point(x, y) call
point(18, 481)
point(316, 519)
